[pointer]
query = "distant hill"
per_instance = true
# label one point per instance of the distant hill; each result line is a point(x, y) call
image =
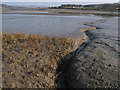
point(99, 7)
point(119, 2)
point(7, 7)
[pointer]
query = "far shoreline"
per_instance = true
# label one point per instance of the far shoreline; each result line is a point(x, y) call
point(69, 12)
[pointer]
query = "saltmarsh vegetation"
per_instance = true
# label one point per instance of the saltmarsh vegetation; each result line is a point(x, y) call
point(30, 61)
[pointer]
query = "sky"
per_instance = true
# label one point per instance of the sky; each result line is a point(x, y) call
point(48, 3)
point(102, 1)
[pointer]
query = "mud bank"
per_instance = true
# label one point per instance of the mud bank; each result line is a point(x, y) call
point(95, 65)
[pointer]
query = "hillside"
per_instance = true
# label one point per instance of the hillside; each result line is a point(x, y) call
point(99, 7)
point(7, 7)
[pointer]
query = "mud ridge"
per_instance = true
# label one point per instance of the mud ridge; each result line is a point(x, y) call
point(82, 71)
point(64, 65)
point(92, 65)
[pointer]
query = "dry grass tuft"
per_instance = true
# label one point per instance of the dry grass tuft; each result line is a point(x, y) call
point(30, 61)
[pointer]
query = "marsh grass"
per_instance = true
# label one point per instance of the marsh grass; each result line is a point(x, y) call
point(30, 61)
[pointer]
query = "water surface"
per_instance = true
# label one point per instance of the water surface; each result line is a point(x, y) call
point(45, 24)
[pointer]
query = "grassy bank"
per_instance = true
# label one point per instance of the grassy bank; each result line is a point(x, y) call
point(30, 61)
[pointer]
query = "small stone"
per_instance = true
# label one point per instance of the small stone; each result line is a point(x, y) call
point(109, 65)
point(30, 52)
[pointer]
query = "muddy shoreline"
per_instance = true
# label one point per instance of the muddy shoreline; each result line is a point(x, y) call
point(95, 66)
point(60, 12)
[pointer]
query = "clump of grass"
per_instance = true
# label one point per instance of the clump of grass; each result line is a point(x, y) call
point(30, 61)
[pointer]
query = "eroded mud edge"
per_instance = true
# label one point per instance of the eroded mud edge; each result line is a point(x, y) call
point(65, 62)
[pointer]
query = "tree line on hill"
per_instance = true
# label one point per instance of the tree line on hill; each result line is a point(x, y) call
point(99, 7)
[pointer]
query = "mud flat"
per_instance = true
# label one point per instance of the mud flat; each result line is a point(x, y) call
point(34, 61)
point(60, 12)
point(96, 65)
point(31, 60)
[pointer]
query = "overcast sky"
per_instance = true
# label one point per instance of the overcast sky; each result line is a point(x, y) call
point(48, 3)
point(103, 1)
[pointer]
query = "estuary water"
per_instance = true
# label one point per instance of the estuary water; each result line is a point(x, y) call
point(45, 24)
